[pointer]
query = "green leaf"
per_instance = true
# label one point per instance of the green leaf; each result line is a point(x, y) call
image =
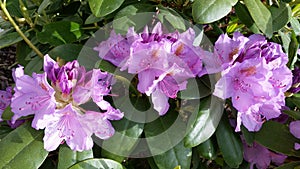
point(10, 39)
point(261, 16)
point(104, 7)
point(196, 88)
point(293, 114)
point(43, 6)
point(58, 33)
point(249, 136)
point(97, 163)
point(286, 40)
point(176, 156)
point(7, 114)
point(67, 157)
point(23, 50)
point(68, 52)
point(289, 165)
point(293, 51)
point(34, 65)
point(208, 149)
point(280, 15)
point(92, 19)
point(229, 143)
point(106, 66)
point(137, 16)
point(285, 141)
point(13, 7)
point(4, 131)
point(20, 146)
point(207, 120)
point(209, 11)
point(172, 17)
point(295, 25)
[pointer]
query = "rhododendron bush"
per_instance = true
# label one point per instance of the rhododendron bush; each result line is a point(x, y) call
point(151, 84)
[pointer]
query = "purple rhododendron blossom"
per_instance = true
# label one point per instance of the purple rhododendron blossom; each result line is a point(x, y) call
point(5, 99)
point(260, 156)
point(163, 61)
point(254, 76)
point(57, 108)
point(33, 95)
point(295, 130)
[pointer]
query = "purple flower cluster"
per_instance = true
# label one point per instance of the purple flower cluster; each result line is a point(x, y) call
point(162, 61)
point(56, 107)
point(254, 76)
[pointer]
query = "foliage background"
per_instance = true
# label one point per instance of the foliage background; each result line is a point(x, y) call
point(61, 28)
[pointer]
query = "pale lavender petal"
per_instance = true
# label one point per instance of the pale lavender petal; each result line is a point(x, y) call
point(277, 159)
point(295, 128)
point(297, 146)
point(160, 102)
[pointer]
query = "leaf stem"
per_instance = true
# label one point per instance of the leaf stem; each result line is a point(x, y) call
point(6, 13)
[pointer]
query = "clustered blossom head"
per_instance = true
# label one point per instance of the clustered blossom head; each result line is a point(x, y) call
point(162, 61)
point(260, 156)
point(254, 76)
point(56, 107)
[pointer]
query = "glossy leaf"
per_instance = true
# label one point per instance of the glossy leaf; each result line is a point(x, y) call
point(293, 114)
point(229, 143)
point(293, 51)
point(295, 25)
point(10, 39)
point(58, 33)
point(206, 122)
point(97, 163)
point(284, 139)
point(4, 131)
point(7, 113)
point(20, 146)
point(261, 16)
point(172, 17)
point(34, 65)
point(68, 52)
point(179, 155)
point(67, 157)
point(280, 15)
point(104, 7)
point(196, 88)
point(209, 11)
point(208, 149)
point(244, 15)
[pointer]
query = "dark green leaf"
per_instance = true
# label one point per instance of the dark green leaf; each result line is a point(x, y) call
point(249, 136)
point(20, 146)
point(92, 19)
point(285, 141)
point(176, 156)
point(106, 66)
point(35, 65)
point(229, 143)
point(104, 7)
point(7, 114)
point(58, 33)
point(206, 122)
point(4, 131)
point(261, 16)
point(280, 15)
point(289, 165)
point(286, 40)
point(293, 51)
point(209, 11)
point(43, 6)
point(67, 157)
point(23, 50)
point(293, 114)
point(196, 88)
point(208, 149)
point(97, 164)
point(10, 39)
point(68, 52)
point(13, 7)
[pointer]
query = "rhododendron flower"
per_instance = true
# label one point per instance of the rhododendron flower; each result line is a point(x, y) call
point(57, 108)
point(163, 61)
point(5, 99)
point(295, 130)
point(260, 156)
point(33, 95)
point(254, 76)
